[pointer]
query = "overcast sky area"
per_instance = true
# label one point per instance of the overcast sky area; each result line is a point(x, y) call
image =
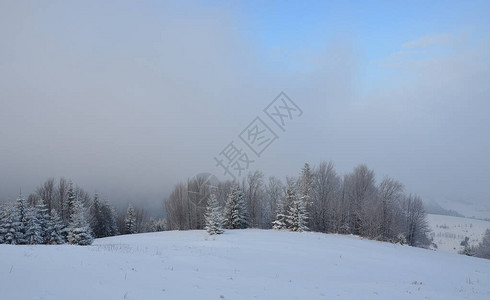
point(129, 98)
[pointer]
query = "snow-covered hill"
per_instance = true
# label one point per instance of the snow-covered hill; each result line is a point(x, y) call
point(240, 264)
point(448, 232)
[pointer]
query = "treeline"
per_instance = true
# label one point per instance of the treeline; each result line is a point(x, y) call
point(319, 199)
point(60, 212)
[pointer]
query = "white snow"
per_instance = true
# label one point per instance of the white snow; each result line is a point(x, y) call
point(448, 232)
point(240, 264)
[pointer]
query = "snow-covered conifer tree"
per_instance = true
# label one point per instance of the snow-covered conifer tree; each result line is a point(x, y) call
point(69, 203)
point(78, 228)
point(54, 229)
point(19, 220)
point(5, 223)
point(236, 213)
point(213, 217)
point(34, 233)
point(95, 217)
point(42, 217)
point(297, 215)
point(110, 216)
point(130, 221)
point(103, 218)
point(305, 183)
point(281, 216)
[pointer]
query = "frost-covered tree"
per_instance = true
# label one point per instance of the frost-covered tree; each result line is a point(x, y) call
point(55, 230)
point(389, 194)
point(34, 232)
point(235, 212)
point(7, 231)
point(483, 249)
point(78, 228)
point(360, 191)
point(69, 205)
point(43, 218)
point(109, 214)
point(19, 220)
point(253, 188)
point(416, 225)
point(103, 218)
point(213, 216)
point(95, 217)
point(297, 216)
point(130, 221)
point(305, 183)
point(280, 221)
point(156, 225)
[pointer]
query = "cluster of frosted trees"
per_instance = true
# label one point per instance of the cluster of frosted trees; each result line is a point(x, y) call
point(233, 216)
point(318, 199)
point(56, 213)
point(24, 223)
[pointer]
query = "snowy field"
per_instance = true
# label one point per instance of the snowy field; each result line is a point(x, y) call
point(240, 264)
point(448, 232)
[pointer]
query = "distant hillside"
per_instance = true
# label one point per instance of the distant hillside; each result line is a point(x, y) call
point(435, 209)
point(448, 232)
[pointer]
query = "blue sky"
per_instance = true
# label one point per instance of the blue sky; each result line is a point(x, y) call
point(379, 28)
point(283, 33)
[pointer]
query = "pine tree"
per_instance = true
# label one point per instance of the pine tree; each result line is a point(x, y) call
point(281, 217)
point(103, 218)
point(55, 229)
point(43, 217)
point(34, 233)
point(96, 220)
point(7, 230)
point(236, 213)
point(297, 215)
point(19, 221)
point(78, 228)
point(305, 186)
point(213, 217)
point(5, 222)
point(110, 216)
point(69, 209)
point(130, 221)
point(305, 183)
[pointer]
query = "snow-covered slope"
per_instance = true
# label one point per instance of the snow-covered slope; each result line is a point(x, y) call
point(448, 232)
point(240, 264)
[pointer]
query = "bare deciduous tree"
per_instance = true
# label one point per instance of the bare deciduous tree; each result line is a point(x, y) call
point(47, 192)
point(360, 192)
point(416, 226)
point(177, 208)
point(254, 195)
point(325, 211)
point(273, 193)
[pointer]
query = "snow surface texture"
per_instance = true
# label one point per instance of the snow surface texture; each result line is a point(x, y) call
point(239, 264)
point(448, 232)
